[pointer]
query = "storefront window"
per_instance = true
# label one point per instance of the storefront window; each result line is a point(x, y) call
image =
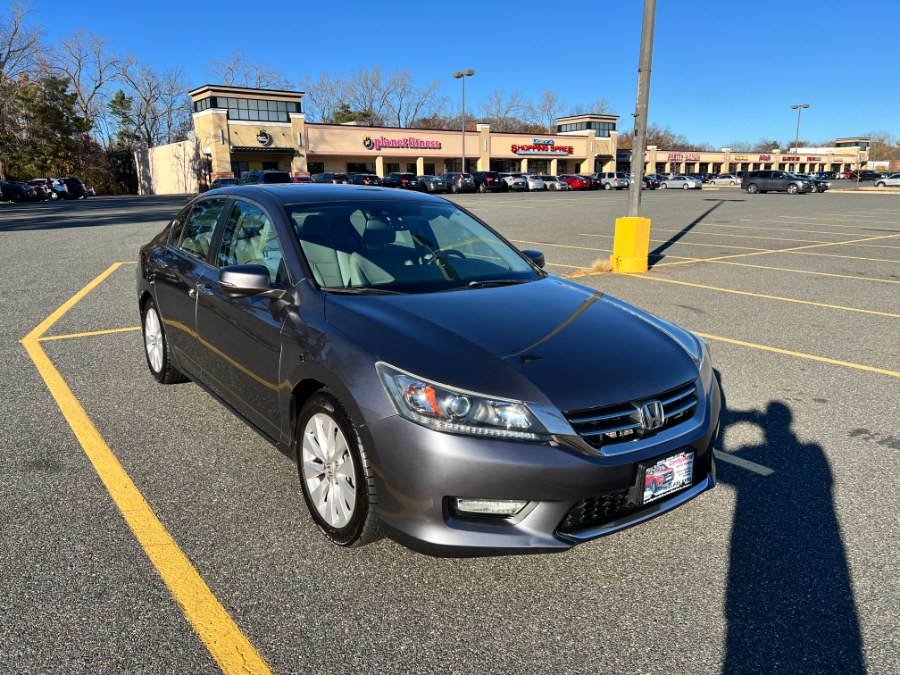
point(360, 167)
point(391, 167)
point(252, 109)
point(315, 167)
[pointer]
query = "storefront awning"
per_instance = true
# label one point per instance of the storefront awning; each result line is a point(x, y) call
point(260, 148)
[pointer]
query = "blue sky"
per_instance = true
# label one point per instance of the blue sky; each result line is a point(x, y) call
point(722, 70)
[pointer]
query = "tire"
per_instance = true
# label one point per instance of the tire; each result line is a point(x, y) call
point(753, 188)
point(335, 475)
point(733, 183)
point(792, 189)
point(881, 184)
point(453, 189)
point(685, 186)
point(607, 186)
point(156, 347)
point(482, 188)
point(664, 186)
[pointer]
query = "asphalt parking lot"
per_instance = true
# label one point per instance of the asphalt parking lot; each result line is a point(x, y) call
point(789, 565)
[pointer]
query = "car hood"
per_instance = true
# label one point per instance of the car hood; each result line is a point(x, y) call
point(548, 341)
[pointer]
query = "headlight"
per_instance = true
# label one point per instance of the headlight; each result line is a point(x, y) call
point(457, 411)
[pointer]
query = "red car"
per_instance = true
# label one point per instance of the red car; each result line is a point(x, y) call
point(576, 182)
point(659, 477)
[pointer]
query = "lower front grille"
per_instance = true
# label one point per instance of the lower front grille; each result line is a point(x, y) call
point(595, 511)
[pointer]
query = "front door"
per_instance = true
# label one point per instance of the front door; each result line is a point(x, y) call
point(240, 336)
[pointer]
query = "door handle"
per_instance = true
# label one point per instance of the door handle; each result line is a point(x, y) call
point(192, 293)
point(207, 290)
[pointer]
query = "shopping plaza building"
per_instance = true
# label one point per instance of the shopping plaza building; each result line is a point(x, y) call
point(237, 129)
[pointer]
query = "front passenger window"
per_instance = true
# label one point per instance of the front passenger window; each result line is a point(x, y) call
point(250, 239)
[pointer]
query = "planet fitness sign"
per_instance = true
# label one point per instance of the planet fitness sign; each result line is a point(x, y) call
point(410, 142)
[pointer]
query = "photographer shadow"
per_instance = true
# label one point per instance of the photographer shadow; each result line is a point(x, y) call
point(789, 601)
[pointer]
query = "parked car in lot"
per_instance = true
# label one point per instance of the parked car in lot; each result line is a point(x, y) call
point(776, 181)
point(891, 180)
point(335, 178)
point(222, 182)
point(54, 188)
point(74, 187)
point(650, 182)
point(576, 182)
point(17, 192)
point(554, 183)
point(681, 183)
point(514, 182)
point(400, 179)
point(488, 181)
point(364, 179)
point(535, 183)
point(819, 184)
point(302, 179)
point(612, 180)
point(368, 334)
point(264, 177)
point(725, 179)
point(865, 175)
point(458, 182)
point(41, 190)
point(429, 183)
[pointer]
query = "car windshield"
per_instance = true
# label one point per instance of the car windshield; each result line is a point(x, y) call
point(397, 246)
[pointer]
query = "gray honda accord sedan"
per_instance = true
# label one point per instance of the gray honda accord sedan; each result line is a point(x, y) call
point(430, 380)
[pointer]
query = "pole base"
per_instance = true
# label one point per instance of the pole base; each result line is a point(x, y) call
point(631, 245)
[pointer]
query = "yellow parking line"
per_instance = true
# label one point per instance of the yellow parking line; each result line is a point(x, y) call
point(764, 296)
point(768, 238)
point(756, 228)
point(684, 243)
point(791, 249)
point(224, 640)
point(801, 355)
point(818, 224)
point(48, 338)
point(581, 248)
point(796, 271)
point(846, 257)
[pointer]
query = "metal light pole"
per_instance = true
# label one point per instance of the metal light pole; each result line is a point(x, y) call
point(640, 113)
point(462, 75)
point(799, 108)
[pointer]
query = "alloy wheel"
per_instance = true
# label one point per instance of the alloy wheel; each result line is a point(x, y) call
point(328, 470)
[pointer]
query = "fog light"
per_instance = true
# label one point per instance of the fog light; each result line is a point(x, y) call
point(489, 507)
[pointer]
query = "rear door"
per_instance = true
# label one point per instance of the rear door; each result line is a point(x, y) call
point(181, 265)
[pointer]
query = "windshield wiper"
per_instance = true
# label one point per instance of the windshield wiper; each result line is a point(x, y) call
point(482, 283)
point(361, 291)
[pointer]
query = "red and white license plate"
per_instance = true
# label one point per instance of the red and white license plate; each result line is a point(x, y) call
point(667, 475)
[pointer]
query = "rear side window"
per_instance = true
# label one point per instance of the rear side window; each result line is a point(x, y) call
point(196, 232)
point(249, 238)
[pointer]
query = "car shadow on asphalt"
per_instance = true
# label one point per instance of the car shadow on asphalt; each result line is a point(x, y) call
point(789, 603)
point(94, 212)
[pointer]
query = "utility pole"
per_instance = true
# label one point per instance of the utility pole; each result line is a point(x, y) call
point(631, 245)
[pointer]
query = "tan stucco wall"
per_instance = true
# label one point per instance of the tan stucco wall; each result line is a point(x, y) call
point(169, 169)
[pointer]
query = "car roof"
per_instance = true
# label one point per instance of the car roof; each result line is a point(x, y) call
point(294, 193)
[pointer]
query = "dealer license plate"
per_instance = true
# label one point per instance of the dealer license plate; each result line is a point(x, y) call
point(667, 476)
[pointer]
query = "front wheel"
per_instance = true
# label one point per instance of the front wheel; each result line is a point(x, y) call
point(156, 348)
point(753, 188)
point(882, 184)
point(334, 471)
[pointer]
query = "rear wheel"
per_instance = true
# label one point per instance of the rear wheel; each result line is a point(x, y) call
point(881, 184)
point(334, 471)
point(156, 348)
point(753, 188)
point(607, 186)
point(792, 189)
point(685, 186)
point(482, 188)
point(664, 186)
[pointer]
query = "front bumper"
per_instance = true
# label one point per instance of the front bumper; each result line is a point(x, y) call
point(418, 471)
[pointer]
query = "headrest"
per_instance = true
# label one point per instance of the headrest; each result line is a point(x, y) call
point(315, 227)
point(377, 233)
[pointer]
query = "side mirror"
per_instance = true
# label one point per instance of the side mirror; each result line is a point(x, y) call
point(247, 280)
point(537, 257)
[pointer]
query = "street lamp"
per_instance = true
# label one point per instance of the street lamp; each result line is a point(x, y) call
point(462, 75)
point(799, 108)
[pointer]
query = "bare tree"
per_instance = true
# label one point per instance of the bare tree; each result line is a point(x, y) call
point(323, 96)
point(160, 109)
point(237, 71)
point(546, 111)
point(368, 92)
point(19, 48)
point(407, 102)
point(84, 59)
point(599, 106)
point(502, 112)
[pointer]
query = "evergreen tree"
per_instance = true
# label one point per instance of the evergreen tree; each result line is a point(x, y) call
point(51, 128)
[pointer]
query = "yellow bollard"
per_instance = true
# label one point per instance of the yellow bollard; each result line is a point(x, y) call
point(631, 245)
